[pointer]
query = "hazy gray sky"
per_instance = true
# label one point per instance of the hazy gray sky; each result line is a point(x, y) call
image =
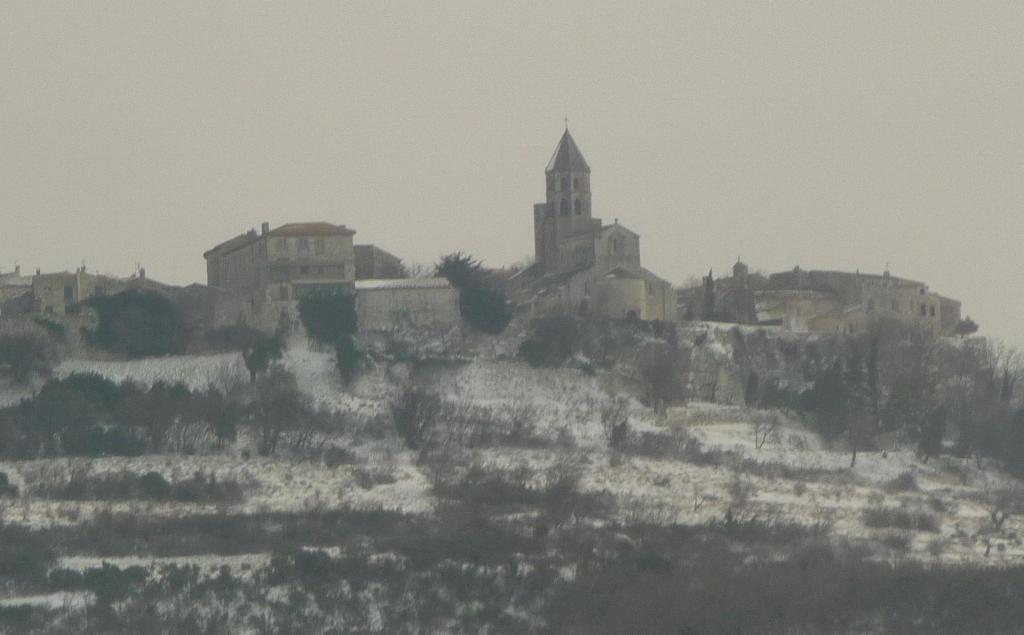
point(830, 135)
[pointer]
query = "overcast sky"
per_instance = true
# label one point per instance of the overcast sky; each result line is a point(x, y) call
point(840, 135)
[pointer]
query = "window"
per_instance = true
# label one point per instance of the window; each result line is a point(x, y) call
point(320, 245)
point(564, 209)
point(931, 311)
point(303, 269)
point(871, 305)
point(281, 244)
point(563, 184)
point(578, 206)
point(69, 294)
point(615, 245)
point(924, 310)
point(575, 184)
point(303, 244)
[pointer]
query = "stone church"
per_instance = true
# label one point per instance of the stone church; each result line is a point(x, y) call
point(582, 266)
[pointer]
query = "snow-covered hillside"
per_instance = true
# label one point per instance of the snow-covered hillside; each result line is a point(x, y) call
point(792, 477)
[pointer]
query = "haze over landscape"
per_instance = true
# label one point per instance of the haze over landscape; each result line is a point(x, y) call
point(832, 136)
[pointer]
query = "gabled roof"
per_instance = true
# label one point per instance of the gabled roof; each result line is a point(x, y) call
point(311, 229)
point(289, 229)
point(567, 157)
point(233, 244)
point(621, 273)
point(616, 226)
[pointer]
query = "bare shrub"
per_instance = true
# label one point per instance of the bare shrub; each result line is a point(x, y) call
point(521, 420)
point(766, 428)
point(905, 482)
point(640, 512)
point(615, 421)
point(199, 488)
point(740, 492)
point(1002, 505)
point(26, 352)
point(334, 457)
point(7, 488)
point(883, 517)
point(897, 541)
point(658, 445)
point(368, 478)
point(694, 452)
point(415, 414)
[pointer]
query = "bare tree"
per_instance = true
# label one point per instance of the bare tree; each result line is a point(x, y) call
point(615, 422)
point(765, 428)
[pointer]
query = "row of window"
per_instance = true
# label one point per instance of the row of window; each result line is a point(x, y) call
point(577, 207)
point(319, 244)
point(924, 309)
point(280, 274)
point(564, 183)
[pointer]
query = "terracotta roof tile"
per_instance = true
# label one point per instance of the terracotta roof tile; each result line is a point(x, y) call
point(311, 229)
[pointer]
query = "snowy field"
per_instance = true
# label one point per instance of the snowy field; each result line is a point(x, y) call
point(792, 478)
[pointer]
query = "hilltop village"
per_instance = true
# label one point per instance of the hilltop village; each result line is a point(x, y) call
point(321, 438)
point(581, 267)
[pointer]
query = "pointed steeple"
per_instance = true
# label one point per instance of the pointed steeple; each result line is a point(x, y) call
point(567, 156)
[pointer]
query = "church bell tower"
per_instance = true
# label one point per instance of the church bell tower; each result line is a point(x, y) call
point(566, 210)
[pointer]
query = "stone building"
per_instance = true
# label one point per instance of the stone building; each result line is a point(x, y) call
point(583, 267)
point(727, 299)
point(54, 293)
point(275, 267)
point(373, 263)
point(801, 301)
point(421, 303)
point(15, 293)
point(838, 301)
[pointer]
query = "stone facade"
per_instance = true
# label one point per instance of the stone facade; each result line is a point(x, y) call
point(392, 304)
point(802, 301)
point(373, 263)
point(15, 293)
point(583, 267)
point(731, 299)
point(275, 267)
point(838, 301)
point(54, 293)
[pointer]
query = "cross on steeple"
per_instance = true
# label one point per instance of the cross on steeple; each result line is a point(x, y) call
point(567, 122)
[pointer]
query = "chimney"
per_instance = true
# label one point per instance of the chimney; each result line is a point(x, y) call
point(142, 273)
point(17, 270)
point(265, 228)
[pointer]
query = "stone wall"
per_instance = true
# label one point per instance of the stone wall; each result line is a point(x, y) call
point(384, 305)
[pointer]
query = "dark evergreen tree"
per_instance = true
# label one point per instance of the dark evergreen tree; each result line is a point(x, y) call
point(331, 319)
point(482, 305)
point(261, 351)
point(752, 389)
point(929, 444)
point(138, 323)
point(708, 305)
point(831, 401)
